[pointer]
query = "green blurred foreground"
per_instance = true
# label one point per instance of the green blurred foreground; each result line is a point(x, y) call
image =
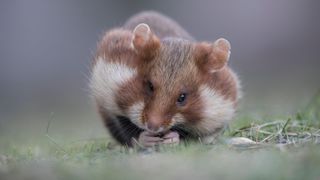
point(285, 148)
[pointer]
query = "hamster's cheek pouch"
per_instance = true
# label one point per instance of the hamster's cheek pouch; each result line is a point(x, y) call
point(129, 93)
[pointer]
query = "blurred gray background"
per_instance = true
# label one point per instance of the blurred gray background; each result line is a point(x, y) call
point(46, 47)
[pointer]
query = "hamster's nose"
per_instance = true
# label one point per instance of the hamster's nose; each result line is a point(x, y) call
point(154, 124)
point(153, 127)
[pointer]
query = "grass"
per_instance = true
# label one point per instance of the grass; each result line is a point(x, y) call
point(284, 148)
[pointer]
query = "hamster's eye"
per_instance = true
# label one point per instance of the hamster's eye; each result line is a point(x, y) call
point(181, 99)
point(150, 86)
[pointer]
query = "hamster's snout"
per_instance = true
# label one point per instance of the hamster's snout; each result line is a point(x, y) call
point(156, 123)
point(154, 130)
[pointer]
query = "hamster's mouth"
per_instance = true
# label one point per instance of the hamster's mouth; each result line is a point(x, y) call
point(160, 132)
point(157, 132)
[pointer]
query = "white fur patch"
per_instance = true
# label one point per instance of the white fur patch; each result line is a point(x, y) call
point(106, 80)
point(134, 113)
point(178, 118)
point(217, 110)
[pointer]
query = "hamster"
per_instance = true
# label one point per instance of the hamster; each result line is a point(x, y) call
point(154, 84)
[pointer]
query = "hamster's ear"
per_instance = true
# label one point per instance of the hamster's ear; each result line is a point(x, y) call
point(144, 41)
point(212, 57)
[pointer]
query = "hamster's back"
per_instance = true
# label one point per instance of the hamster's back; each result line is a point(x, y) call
point(160, 24)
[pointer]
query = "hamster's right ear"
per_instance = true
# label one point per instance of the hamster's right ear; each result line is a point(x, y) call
point(212, 57)
point(144, 42)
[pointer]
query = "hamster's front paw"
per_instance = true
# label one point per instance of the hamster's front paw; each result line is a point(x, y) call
point(171, 137)
point(147, 139)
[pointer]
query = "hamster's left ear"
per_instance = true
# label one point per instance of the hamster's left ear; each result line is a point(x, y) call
point(144, 42)
point(212, 57)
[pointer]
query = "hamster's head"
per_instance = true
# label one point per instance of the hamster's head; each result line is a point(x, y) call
point(184, 83)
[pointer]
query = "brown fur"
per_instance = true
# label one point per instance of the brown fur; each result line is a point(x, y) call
point(174, 70)
point(161, 25)
point(130, 93)
point(174, 64)
point(115, 46)
point(223, 82)
point(208, 58)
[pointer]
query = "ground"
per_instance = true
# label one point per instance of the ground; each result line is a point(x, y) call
point(286, 148)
